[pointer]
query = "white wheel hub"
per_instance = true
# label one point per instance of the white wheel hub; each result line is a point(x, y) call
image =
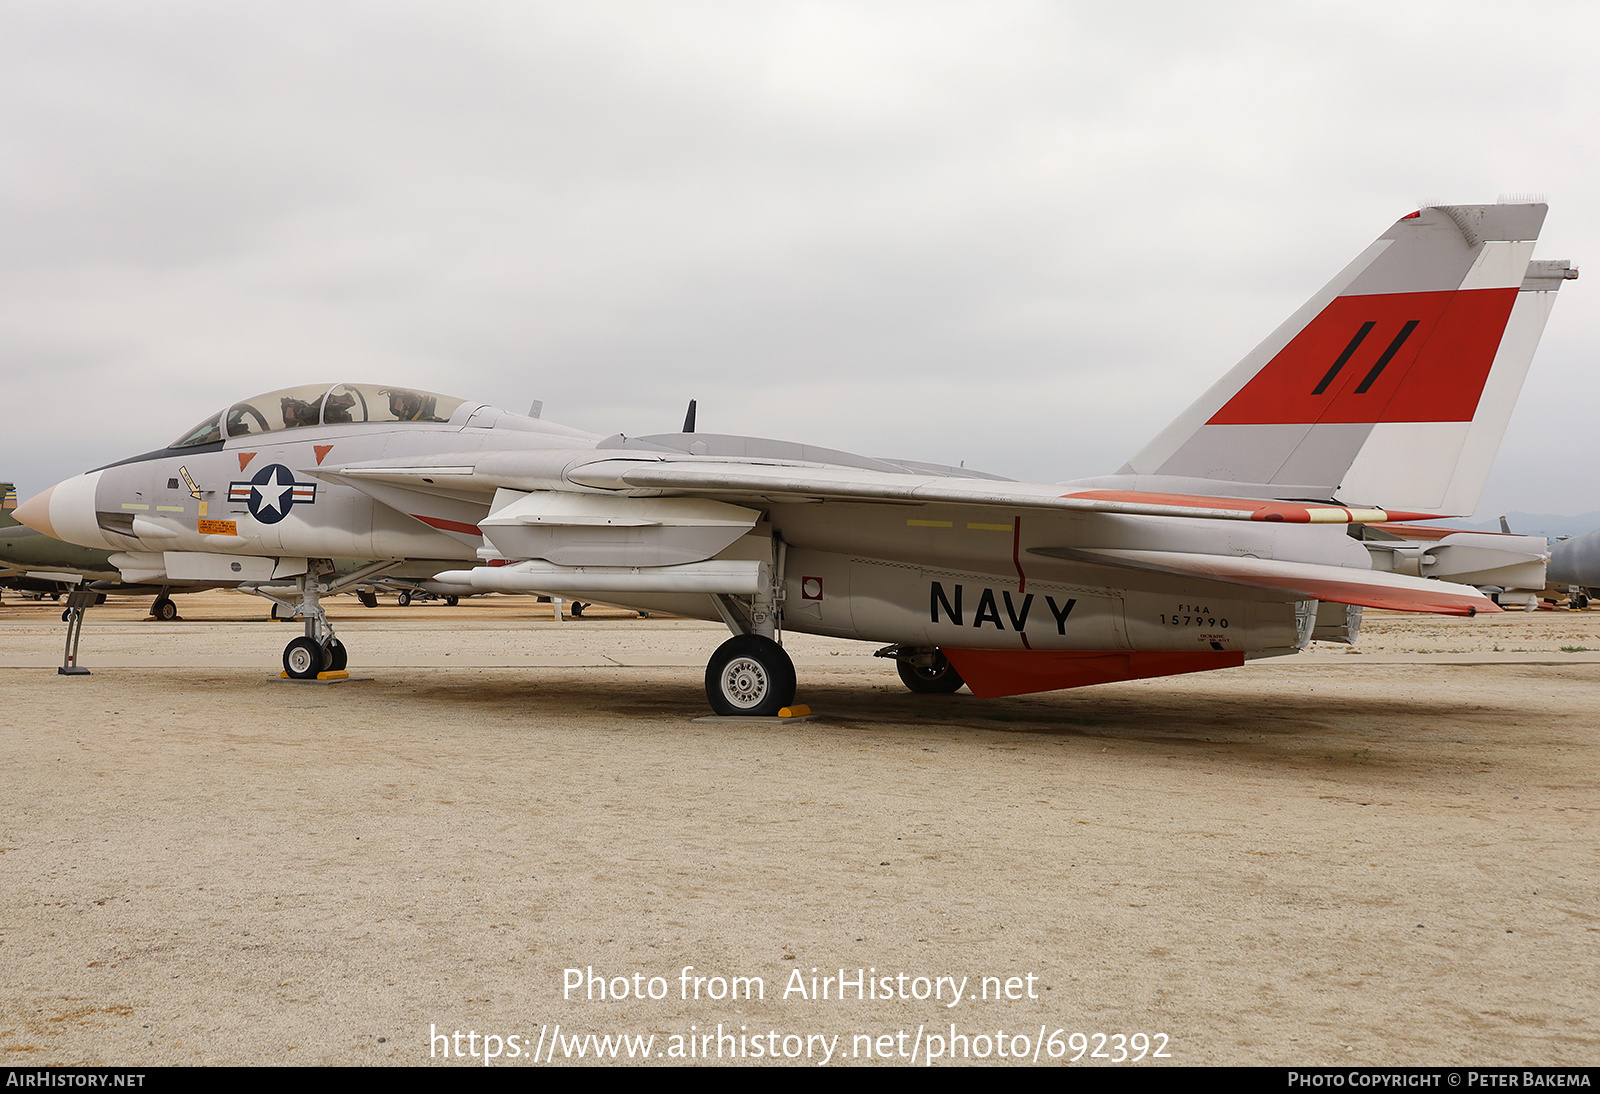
point(745, 682)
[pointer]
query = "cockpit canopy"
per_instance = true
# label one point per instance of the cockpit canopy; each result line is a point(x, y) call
point(318, 404)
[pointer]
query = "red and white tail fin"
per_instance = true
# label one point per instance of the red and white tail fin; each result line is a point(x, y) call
point(1393, 385)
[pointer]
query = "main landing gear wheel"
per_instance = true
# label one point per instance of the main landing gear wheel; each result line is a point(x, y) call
point(452, 600)
point(303, 658)
point(164, 609)
point(750, 675)
point(405, 600)
point(336, 655)
point(939, 678)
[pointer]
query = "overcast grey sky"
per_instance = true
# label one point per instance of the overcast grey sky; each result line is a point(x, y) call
point(1023, 235)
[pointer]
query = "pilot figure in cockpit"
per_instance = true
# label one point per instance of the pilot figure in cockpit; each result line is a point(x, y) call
point(409, 406)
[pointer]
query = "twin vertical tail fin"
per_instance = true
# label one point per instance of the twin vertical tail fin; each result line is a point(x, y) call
point(1393, 385)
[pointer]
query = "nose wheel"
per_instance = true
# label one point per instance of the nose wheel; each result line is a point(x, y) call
point(750, 675)
point(304, 658)
point(338, 658)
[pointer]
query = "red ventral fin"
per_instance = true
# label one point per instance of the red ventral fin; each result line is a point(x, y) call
point(991, 674)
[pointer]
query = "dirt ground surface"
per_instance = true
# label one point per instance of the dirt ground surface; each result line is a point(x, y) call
point(1374, 857)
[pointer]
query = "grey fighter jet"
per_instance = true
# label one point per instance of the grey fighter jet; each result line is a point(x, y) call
point(1384, 398)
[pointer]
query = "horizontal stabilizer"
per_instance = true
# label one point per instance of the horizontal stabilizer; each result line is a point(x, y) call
point(1300, 580)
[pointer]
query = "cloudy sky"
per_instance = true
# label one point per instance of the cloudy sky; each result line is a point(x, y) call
point(1021, 235)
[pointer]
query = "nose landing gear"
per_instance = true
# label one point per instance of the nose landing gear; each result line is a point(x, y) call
point(318, 650)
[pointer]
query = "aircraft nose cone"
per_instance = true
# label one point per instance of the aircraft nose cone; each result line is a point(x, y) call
point(35, 513)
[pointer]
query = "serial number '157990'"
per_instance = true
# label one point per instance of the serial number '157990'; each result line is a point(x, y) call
point(1195, 621)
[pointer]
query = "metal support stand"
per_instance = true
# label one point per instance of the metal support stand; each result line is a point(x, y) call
point(79, 600)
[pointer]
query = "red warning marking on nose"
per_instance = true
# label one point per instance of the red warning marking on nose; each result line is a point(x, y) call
point(245, 458)
point(322, 450)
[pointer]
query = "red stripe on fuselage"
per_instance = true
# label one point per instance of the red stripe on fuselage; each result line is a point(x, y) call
point(1436, 375)
point(1016, 560)
point(449, 525)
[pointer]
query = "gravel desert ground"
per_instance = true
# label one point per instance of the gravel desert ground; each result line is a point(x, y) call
point(1374, 857)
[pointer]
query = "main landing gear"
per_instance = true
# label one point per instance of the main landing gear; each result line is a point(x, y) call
point(750, 675)
point(164, 609)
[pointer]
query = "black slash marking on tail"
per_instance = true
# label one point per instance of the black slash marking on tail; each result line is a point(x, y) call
point(1394, 348)
point(1366, 329)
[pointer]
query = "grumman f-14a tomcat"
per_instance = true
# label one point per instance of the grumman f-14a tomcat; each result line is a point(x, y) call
point(1384, 398)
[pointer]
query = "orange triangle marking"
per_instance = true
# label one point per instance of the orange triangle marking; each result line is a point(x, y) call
point(322, 450)
point(245, 458)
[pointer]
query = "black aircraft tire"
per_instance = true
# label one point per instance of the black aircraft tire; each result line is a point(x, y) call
point(164, 609)
point(941, 678)
point(751, 676)
point(452, 600)
point(405, 600)
point(303, 659)
point(368, 598)
point(337, 656)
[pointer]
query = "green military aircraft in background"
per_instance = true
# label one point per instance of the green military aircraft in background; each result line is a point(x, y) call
point(34, 563)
